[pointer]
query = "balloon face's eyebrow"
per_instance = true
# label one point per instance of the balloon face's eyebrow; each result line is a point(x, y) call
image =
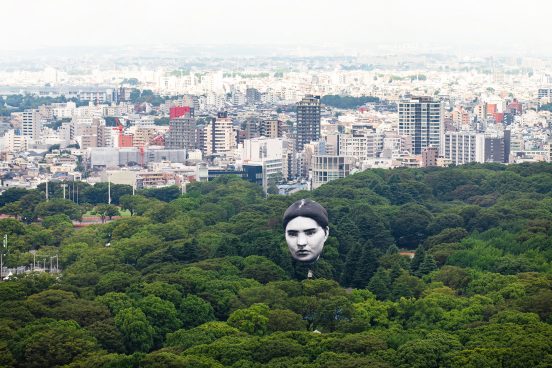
point(293, 232)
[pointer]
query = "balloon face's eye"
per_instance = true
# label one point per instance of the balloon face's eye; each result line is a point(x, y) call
point(310, 232)
point(292, 233)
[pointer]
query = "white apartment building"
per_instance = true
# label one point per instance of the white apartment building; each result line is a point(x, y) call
point(464, 147)
point(421, 118)
point(31, 124)
point(362, 147)
point(258, 149)
point(63, 110)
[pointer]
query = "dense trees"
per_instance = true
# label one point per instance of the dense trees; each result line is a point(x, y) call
point(347, 102)
point(204, 279)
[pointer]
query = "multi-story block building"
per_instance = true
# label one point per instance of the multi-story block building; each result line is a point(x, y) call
point(461, 147)
point(326, 168)
point(271, 128)
point(362, 146)
point(219, 137)
point(31, 124)
point(308, 120)
point(422, 119)
point(467, 146)
point(182, 129)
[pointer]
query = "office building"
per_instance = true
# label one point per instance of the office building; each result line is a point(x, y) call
point(308, 120)
point(421, 118)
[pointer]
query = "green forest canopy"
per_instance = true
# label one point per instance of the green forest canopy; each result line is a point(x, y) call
point(204, 279)
point(347, 102)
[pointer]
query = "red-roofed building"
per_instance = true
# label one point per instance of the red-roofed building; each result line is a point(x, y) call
point(180, 112)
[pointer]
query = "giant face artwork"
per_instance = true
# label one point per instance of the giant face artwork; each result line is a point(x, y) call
point(306, 230)
point(305, 239)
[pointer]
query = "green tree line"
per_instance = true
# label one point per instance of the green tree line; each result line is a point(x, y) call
point(204, 279)
point(347, 102)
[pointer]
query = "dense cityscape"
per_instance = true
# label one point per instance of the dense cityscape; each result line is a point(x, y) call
point(285, 123)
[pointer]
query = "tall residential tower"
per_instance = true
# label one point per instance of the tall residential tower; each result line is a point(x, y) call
point(308, 120)
point(421, 118)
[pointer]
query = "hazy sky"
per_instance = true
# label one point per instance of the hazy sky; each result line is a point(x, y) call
point(523, 26)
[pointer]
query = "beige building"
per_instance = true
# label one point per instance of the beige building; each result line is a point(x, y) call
point(219, 137)
point(15, 143)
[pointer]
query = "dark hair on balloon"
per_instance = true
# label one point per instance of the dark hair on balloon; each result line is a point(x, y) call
point(307, 208)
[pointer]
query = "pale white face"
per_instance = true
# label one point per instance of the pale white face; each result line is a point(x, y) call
point(305, 239)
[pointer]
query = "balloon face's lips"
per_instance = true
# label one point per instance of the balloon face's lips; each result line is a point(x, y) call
point(302, 253)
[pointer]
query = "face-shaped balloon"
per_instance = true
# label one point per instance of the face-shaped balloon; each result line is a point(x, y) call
point(305, 239)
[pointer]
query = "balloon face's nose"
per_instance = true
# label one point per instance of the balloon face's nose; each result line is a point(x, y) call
point(301, 240)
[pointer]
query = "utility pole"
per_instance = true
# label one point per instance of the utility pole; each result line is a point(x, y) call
point(5, 245)
point(63, 186)
point(108, 189)
point(47, 194)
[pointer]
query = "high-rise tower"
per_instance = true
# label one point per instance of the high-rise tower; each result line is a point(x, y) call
point(308, 120)
point(421, 118)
